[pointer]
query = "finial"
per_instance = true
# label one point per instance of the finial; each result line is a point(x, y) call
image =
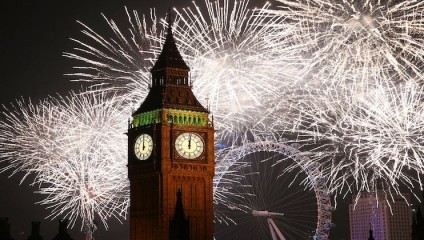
point(169, 19)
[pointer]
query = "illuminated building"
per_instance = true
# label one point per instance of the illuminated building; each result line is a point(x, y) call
point(388, 222)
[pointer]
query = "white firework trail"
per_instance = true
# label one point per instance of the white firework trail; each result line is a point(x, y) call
point(83, 189)
point(234, 58)
point(119, 63)
point(355, 41)
point(361, 138)
point(358, 107)
point(239, 60)
point(235, 63)
point(71, 145)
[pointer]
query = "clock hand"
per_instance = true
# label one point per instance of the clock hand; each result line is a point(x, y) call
point(143, 142)
point(189, 141)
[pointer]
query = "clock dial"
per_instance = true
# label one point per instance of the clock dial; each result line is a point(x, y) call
point(189, 145)
point(143, 146)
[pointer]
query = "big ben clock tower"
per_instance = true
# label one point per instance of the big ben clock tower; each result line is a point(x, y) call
point(171, 156)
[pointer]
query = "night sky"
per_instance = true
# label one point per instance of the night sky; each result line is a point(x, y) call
point(34, 34)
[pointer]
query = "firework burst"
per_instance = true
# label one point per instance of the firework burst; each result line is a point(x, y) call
point(360, 138)
point(353, 41)
point(229, 52)
point(71, 145)
point(358, 108)
point(239, 59)
point(234, 61)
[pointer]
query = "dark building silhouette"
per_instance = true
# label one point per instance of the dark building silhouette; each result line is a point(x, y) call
point(417, 223)
point(5, 229)
point(179, 226)
point(171, 148)
point(35, 231)
point(63, 231)
point(371, 237)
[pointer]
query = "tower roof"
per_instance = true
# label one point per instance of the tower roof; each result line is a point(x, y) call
point(170, 57)
point(170, 81)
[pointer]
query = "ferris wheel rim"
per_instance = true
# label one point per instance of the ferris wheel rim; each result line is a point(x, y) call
point(310, 168)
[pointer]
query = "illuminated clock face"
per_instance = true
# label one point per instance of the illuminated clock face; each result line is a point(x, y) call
point(189, 145)
point(143, 146)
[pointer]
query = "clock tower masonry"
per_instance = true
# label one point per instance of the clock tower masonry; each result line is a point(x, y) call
point(171, 161)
